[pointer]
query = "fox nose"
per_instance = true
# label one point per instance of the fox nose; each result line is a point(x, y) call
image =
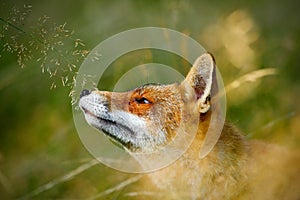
point(84, 93)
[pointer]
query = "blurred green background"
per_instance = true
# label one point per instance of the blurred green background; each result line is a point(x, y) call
point(39, 143)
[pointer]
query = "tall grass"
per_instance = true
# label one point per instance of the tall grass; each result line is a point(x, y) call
point(41, 155)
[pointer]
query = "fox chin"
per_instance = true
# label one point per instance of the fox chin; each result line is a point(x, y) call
point(148, 118)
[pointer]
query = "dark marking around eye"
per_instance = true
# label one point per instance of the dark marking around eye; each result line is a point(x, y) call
point(142, 100)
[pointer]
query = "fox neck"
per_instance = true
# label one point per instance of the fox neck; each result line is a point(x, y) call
point(228, 154)
point(208, 174)
point(230, 147)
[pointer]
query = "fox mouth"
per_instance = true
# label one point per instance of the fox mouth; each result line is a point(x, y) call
point(104, 123)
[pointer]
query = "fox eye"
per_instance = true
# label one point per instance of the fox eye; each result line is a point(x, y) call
point(142, 100)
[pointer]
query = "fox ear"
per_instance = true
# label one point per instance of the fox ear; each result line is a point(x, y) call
point(200, 78)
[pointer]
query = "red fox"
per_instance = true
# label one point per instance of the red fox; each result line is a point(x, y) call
point(148, 118)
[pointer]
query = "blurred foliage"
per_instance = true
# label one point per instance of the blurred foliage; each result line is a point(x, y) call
point(39, 142)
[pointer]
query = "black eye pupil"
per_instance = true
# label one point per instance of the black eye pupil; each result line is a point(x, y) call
point(142, 100)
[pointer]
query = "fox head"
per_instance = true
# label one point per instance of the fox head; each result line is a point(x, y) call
point(148, 117)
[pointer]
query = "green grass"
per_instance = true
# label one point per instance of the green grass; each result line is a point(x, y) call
point(39, 143)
